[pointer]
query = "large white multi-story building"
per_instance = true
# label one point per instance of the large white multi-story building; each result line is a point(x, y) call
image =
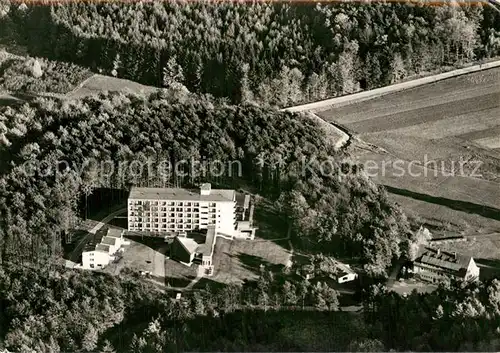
point(176, 210)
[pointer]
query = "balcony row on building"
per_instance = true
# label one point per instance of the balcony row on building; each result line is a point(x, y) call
point(175, 210)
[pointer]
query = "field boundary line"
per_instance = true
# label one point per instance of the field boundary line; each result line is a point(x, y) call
point(398, 87)
point(343, 137)
point(80, 85)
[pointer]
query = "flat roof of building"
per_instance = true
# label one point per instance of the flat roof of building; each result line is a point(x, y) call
point(178, 194)
point(114, 233)
point(96, 249)
point(108, 240)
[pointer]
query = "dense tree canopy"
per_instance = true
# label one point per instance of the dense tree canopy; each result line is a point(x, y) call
point(458, 318)
point(56, 152)
point(30, 75)
point(281, 53)
point(67, 310)
point(60, 151)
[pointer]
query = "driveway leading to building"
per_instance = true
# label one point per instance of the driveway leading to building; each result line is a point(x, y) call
point(159, 262)
point(393, 276)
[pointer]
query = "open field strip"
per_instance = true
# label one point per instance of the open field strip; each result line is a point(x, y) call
point(443, 151)
point(489, 142)
point(402, 102)
point(474, 135)
point(479, 122)
point(451, 120)
point(486, 104)
point(431, 195)
point(391, 89)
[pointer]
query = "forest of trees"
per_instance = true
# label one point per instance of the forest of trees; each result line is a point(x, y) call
point(73, 311)
point(60, 151)
point(66, 310)
point(457, 318)
point(277, 53)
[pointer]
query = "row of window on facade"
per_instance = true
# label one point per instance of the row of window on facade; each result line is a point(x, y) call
point(433, 273)
point(437, 270)
point(172, 211)
point(169, 203)
point(170, 220)
point(172, 217)
point(170, 225)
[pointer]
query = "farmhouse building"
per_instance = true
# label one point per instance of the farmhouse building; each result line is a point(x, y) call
point(175, 210)
point(434, 265)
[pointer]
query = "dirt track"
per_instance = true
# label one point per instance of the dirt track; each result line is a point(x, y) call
point(476, 94)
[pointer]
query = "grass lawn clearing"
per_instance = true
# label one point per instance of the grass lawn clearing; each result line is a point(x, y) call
point(100, 83)
point(408, 286)
point(239, 260)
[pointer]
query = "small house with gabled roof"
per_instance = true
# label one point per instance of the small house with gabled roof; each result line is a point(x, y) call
point(434, 265)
